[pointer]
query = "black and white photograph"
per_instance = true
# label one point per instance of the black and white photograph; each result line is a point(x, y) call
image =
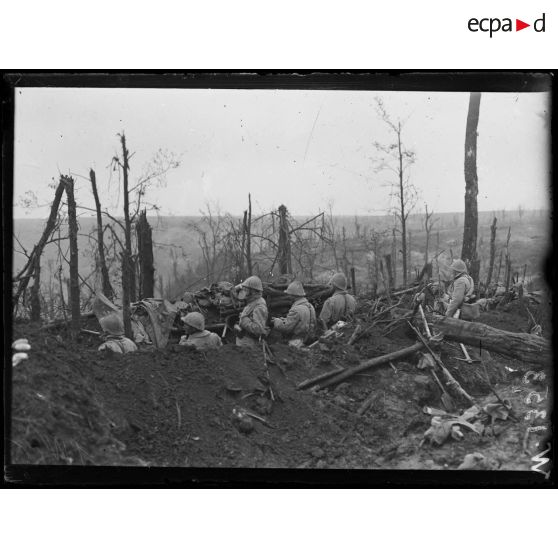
point(282, 275)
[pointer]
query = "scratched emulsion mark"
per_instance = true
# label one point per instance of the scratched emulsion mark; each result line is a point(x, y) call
point(535, 398)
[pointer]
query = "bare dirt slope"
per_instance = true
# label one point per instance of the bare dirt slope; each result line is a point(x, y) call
point(74, 405)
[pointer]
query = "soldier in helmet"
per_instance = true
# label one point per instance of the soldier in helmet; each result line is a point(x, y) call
point(461, 288)
point(300, 323)
point(196, 334)
point(115, 341)
point(339, 306)
point(252, 325)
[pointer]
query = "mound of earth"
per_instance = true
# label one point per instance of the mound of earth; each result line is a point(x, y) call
point(178, 407)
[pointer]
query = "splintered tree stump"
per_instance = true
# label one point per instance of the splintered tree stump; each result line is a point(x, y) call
point(528, 348)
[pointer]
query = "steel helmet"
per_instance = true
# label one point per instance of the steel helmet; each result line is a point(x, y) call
point(112, 324)
point(339, 280)
point(254, 283)
point(295, 289)
point(459, 266)
point(195, 320)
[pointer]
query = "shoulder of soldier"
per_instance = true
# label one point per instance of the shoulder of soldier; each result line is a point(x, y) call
point(261, 303)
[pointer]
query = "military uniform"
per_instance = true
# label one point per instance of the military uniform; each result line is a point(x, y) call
point(299, 323)
point(460, 291)
point(253, 320)
point(340, 306)
point(118, 344)
point(202, 340)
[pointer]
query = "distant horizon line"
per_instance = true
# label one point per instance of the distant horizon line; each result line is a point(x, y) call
point(305, 215)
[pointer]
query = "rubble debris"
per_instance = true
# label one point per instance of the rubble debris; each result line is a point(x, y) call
point(473, 461)
point(449, 379)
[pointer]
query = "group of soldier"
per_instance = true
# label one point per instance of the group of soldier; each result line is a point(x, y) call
point(299, 327)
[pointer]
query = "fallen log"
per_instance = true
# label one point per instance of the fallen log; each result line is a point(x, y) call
point(318, 379)
point(371, 363)
point(521, 346)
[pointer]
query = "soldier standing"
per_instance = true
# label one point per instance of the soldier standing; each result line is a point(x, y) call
point(340, 305)
point(252, 325)
point(300, 322)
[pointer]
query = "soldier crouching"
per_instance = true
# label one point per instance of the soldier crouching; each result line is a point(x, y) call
point(115, 341)
point(196, 334)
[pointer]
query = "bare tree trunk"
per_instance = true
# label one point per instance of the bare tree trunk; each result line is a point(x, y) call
point(28, 270)
point(249, 237)
point(35, 292)
point(394, 258)
point(470, 226)
point(493, 229)
point(389, 269)
point(74, 274)
point(243, 246)
point(145, 255)
point(426, 248)
point(345, 260)
point(409, 258)
point(161, 285)
point(107, 287)
point(402, 216)
point(284, 256)
point(428, 224)
point(128, 286)
point(499, 266)
point(508, 272)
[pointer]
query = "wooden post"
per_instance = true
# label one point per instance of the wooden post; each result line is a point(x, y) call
point(74, 276)
point(353, 280)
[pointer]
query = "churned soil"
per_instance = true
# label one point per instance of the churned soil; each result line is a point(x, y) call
point(178, 407)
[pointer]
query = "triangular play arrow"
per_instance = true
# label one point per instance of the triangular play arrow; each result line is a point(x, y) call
point(519, 25)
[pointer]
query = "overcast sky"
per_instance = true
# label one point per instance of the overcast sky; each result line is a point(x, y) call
point(305, 149)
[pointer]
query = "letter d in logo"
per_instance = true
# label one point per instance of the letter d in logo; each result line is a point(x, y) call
point(539, 24)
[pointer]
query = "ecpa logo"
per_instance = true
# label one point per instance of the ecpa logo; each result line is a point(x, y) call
point(494, 24)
